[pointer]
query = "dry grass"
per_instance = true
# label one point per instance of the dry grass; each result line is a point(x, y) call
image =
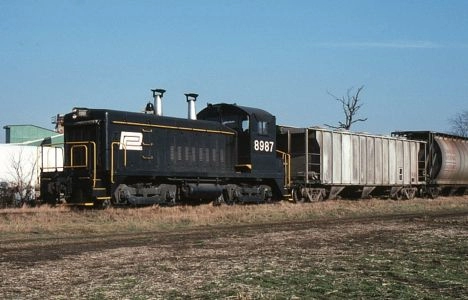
point(401, 258)
point(149, 253)
point(63, 221)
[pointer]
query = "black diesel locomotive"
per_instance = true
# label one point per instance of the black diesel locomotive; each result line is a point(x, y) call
point(235, 154)
point(226, 153)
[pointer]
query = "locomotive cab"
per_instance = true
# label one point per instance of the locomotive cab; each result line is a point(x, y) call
point(256, 136)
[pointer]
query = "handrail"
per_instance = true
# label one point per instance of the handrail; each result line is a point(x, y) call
point(72, 148)
point(112, 157)
point(286, 157)
point(174, 127)
point(80, 144)
point(42, 155)
point(83, 144)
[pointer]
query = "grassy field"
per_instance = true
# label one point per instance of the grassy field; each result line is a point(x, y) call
point(46, 220)
point(369, 249)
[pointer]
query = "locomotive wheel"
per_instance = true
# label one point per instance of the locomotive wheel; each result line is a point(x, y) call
point(267, 196)
point(229, 196)
point(219, 201)
point(106, 204)
point(102, 204)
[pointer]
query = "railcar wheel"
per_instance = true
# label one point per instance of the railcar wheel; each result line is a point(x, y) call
point(409, 193)
point(319, 197)
point(433, 192)
point(297, 195)
point(397, 196)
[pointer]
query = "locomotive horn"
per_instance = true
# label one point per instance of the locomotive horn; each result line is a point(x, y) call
point(191, 98)
point(157, 95)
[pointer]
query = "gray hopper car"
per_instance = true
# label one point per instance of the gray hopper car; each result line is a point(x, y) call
point(327, 164)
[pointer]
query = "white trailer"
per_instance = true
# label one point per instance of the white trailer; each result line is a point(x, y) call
point(21, 165)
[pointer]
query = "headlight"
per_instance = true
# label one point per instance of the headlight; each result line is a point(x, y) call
point(79, 112)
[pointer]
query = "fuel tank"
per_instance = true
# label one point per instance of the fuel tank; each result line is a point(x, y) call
point(451, 161)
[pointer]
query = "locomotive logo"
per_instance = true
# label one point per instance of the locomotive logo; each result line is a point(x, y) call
point(131, 140)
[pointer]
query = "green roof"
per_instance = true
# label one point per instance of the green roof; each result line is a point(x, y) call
point(31, 135)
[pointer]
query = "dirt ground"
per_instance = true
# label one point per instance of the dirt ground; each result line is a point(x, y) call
point(399, 256)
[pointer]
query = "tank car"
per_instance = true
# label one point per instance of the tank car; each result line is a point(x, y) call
point(328, 163)
point(225, 153)
point(446, 167)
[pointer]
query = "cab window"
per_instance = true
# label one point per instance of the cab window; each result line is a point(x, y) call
point(237, 123)
point(245, 124)
point(262, 127)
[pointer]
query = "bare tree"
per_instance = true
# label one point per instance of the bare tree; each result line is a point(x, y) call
point(459, 123)
point(22, 172)
point(351, 105)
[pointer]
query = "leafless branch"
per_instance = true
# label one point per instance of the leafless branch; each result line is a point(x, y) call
point(350, 105)
point(459, 124)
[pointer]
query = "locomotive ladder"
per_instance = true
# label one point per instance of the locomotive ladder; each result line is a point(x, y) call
point(286, 158)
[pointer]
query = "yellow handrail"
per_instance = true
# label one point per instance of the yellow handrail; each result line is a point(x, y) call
point(174, 127)
point(286, 157)
point(112, 157)
point(80, 144)
point(72, 148)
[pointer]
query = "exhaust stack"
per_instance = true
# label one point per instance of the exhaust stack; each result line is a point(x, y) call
point(157, 95)
point(191, 98)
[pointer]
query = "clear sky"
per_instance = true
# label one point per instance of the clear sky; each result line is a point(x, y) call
point(282, 56)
